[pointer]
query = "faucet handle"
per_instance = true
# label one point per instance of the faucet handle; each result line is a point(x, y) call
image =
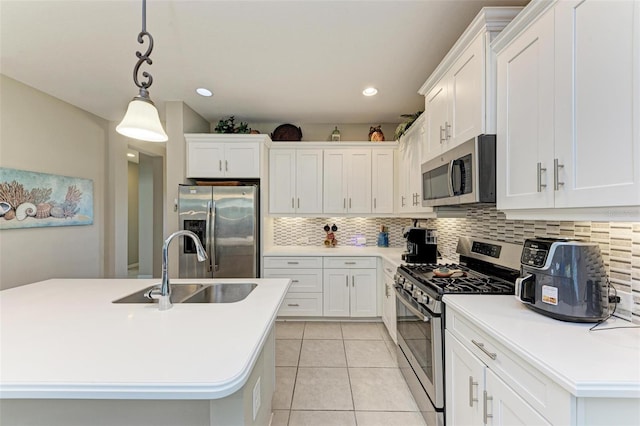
point(154, 293)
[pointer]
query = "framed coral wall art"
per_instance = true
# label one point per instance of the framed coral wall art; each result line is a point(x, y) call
point(31, 200)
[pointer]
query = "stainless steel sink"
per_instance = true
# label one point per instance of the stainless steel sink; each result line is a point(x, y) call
point(179, 292)
point(222, 293)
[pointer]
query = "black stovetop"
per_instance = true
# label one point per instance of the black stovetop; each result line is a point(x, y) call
point(468, 281)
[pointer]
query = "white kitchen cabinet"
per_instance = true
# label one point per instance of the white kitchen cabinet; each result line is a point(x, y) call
point(304, 297)
point(460, 93)
point(347, 181)
point(224, 156)
point(382, 180)
point(295, 180)
point(409, 173)
point(350, 292)
point(389, 300)
point(568, 95)
point(477, 396)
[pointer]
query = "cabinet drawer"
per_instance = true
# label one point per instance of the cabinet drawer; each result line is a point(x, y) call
point(389, 268)
point(301, 305)
point(350, 262)
point(547, 397)
point(302, 280)
point(292, 262)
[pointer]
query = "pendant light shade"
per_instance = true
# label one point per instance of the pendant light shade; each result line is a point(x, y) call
point(142, 120)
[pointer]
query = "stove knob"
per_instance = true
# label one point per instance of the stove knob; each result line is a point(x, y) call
point(425, 299)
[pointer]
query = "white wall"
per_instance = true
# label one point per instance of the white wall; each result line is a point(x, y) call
point(43, 134)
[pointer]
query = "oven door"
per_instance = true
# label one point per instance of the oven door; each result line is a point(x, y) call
point(420, 339)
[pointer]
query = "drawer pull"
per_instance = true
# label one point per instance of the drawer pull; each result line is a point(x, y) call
point(292, 263)
point(471, 385)
point(295, 281)
point(292, 304)
point(491, 355)
point(349, 263)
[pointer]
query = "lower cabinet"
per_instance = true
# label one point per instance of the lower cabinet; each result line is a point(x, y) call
point(477, 396)
point(350, 293)
point(304, 297)
point(389, 300)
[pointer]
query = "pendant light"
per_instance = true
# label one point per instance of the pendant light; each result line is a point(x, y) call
point(142, 120)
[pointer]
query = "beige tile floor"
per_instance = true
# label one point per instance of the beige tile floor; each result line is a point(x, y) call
point(339, 373)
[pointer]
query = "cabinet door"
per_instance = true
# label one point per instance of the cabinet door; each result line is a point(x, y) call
point(282, 180)
point(336, 284)
point(597, 103)
point(437, 119)
point(205, 160)
point(309, 181)
point(382, 181)
point(465, 384)
point(403, 160)
point(466, 95)
point(335, 177)
point(505, 407)
point(363, 292)
point(242, 160)
point(389, 308)
point(525, 119)
point(359, 181)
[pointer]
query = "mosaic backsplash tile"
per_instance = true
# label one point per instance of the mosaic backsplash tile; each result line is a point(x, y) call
point(619, 241)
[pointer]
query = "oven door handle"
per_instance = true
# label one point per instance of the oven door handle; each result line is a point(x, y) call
point(412, 309)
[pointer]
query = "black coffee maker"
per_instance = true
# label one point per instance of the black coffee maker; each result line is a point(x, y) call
point(421, 245)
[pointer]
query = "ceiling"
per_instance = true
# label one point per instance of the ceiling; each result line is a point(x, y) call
point(265, 61)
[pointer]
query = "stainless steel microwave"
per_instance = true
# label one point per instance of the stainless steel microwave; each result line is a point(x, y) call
point(465, 174)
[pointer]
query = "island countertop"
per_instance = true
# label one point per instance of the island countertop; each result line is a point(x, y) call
point(64, 338)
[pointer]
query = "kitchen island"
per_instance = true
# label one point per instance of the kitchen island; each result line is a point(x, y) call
point(71, 356)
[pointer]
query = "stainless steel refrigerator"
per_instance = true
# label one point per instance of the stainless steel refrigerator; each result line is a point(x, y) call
point(225, 218)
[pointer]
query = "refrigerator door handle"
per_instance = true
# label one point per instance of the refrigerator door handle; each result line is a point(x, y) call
point(212, 237)
point(208, 236)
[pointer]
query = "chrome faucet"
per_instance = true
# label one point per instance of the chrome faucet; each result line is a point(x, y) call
point(163, 293)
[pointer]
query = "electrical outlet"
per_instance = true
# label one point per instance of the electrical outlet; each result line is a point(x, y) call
point(256, 399)
point(623, 310)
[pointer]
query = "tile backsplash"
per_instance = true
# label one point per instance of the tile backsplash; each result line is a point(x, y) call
point(619, 241)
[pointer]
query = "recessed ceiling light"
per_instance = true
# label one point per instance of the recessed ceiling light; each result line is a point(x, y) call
point(204, 92)
point(370, 91)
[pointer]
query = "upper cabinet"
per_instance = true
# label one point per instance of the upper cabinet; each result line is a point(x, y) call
point(568, 99)
point(224, 156)
point(295, 180)
point(408, 197)
point(460, 94)
point(347, 181)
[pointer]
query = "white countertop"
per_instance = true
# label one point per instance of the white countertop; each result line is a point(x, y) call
point(585, 363)
point(64, 338)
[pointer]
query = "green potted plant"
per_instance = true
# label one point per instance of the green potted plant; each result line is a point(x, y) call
point(404, 126)
point(229, 126)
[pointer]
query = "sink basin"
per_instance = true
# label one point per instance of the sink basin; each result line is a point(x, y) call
point(179, 292)
point(222, 293)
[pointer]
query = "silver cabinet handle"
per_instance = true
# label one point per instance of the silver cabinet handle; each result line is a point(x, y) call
point(491, 355)
point(344, 203)
point(220, 165)
point(295, 281)
point(556, 170)
point(540, 170)
point(292, 304)
point(485, 399)
point(298, 202)
point(353, 280)
point(471, 385)
point(349, 263)
point(386, 290)
point(293, 206)
point(441, 137)
point(346, 280)
point(349, 202)
point(447, 130)
point(402, 201)
point(226, 166)
point(292, 263)
point(375, 206)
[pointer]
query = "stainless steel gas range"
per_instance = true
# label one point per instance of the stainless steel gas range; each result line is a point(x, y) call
point(486, 267)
